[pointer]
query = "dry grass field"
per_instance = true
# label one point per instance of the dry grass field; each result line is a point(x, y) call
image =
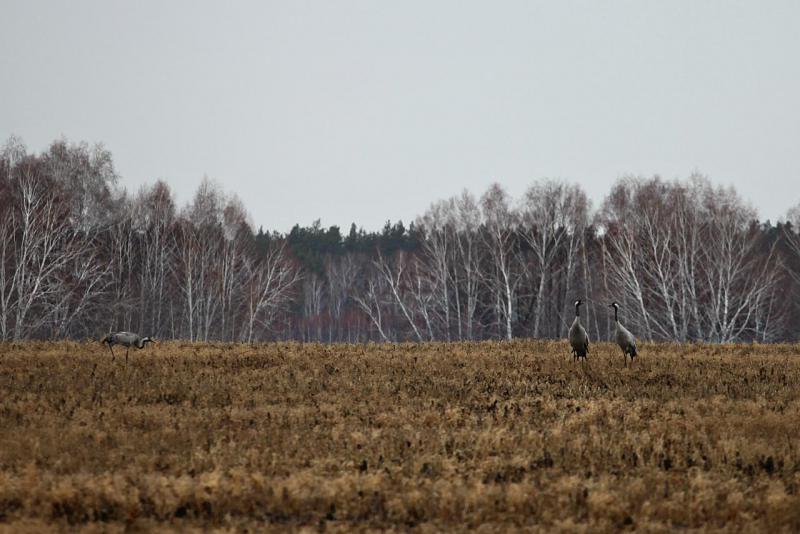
point(488, 436)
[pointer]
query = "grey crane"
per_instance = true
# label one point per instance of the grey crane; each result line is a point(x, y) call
point(624, 338)
point(126, 339)
point(578, 338)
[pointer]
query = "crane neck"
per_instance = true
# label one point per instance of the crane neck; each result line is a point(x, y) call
point(616, 318)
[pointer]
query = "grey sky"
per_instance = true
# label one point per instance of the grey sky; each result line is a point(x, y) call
point(367, 111)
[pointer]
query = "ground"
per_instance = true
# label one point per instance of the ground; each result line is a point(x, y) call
point(500, 436)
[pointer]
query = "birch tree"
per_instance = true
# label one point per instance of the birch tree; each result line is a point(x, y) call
point(737, 277)
point(553, 216)
point(44, 245)
point(437, 244)
point(398, 282)
point(154, 218)
point(341, 275)
point(687, 256)
point(372, 300)
point(499, 237)
point(468, 257)
point(269, 285)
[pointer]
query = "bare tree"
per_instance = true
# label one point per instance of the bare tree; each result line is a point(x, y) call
point(438, 246)
point(44, 246)
point(688, 257)
point(500, 235)
point(622, 249)
point(231, 275)
point(8, 269)
point(270, 282)
point(738, 278)
point(792, 235)
point(314, 291)
point(397, 281)
point(341, 275)
point(80, 286)
point(123, 254)
point(200, 255)
point(553, 217)
point(88, 176)
point(467, 259)
point(154, 220)
point(372, 300)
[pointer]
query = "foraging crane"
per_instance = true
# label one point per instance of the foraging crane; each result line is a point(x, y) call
point(127, 339)
point(578, 338)
point(624, 338)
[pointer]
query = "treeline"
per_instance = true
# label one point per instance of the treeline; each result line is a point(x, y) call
point(686, 261)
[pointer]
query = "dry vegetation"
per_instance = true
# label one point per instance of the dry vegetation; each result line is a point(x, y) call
point(500, 435)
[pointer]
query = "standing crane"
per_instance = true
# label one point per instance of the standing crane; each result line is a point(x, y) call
point(126, 339)
point(624, 338)
point(578, 338)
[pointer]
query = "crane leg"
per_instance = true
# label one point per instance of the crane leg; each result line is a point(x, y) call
point(112, 352)
point(126, 355)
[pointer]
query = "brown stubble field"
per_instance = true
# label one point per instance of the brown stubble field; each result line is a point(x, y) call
point(502, 436)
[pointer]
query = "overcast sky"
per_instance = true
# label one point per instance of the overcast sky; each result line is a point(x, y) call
point(370, 110)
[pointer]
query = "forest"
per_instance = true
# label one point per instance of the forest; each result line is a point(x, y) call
point(687, 260)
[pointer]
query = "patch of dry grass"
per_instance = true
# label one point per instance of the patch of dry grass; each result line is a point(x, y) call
point(501, 436)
